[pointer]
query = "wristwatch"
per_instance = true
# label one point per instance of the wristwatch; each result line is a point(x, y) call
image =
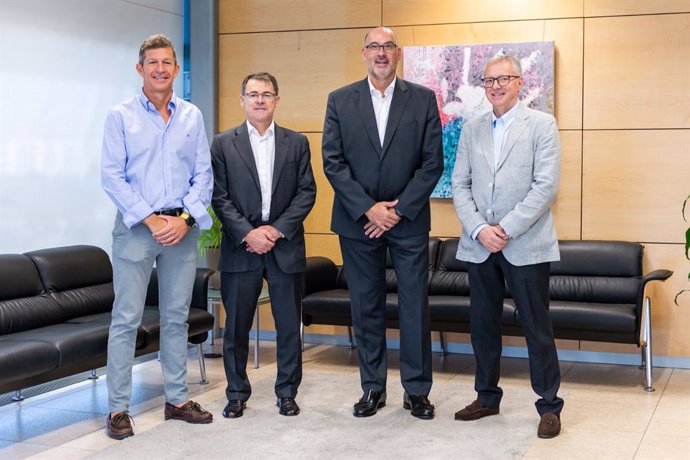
point(188, 219)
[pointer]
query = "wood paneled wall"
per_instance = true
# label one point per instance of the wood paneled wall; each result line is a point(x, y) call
point(622, 105)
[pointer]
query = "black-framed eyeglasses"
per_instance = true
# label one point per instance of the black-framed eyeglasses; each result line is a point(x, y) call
point(502, 80)
point(374, 47)
point(253, 96)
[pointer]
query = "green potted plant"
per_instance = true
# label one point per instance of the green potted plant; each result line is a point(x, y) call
point(209, 248)
point(210, 239)
point(687, 245)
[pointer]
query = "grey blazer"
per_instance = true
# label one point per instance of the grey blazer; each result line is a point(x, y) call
point(517, 194)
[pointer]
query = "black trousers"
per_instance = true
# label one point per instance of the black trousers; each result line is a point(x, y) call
point(240, 293)
point(529, 286)
point(365, 268)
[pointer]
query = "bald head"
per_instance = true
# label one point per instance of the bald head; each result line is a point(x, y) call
point(385, 30)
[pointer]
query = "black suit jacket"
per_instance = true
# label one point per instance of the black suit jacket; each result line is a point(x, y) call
point(362, 172)
point(237, 197)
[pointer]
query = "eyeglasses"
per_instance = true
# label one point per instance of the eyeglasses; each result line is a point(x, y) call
point(268, 97)
point(388, 47)
point(502, 80)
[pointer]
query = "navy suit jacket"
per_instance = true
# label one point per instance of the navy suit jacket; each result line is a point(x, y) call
point(237, 197)
point(362, 172)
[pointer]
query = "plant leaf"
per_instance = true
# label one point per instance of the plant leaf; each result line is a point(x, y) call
point(675, 300)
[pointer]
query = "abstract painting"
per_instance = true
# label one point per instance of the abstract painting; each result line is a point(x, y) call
point(454, 72)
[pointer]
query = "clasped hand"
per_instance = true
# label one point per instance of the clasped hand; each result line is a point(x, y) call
point(166, 230)
point(382, 218)
point(493, 238)
point(262, 239)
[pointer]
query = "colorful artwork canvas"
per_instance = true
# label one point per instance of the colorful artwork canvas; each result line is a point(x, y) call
point(454, 73)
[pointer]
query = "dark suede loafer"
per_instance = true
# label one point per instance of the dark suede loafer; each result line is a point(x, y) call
point(119, 426)
point(191, 412)
point(369, 403)
point(549, 425)
point(475, 411)
point(234, 408)
point(419, 406)
point(287, 406)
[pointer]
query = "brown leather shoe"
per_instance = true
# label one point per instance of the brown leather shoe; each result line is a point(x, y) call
point(119, 426)
point(191, 412)
point(475, 411)
point(549, 426)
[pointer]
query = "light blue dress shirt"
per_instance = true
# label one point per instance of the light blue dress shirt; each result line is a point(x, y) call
point(148, 165)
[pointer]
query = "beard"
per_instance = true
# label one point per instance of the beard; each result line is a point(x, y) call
point(382, 74)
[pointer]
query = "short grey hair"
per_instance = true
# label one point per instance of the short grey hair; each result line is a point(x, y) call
point(517, 68)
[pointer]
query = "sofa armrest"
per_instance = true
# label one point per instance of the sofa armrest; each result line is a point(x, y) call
point(657, 275)
point(321, 275)
point(200, 291)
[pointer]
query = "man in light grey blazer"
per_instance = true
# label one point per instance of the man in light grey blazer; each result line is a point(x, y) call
point(504, 182)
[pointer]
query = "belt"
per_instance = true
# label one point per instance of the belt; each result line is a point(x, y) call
point(176, 212)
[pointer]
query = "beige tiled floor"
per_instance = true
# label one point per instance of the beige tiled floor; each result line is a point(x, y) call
point(607, 414)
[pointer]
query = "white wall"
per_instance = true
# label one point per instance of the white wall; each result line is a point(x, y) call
point(63, 65)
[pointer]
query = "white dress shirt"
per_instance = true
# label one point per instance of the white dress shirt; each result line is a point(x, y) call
point(382, 106)
point(263, 149)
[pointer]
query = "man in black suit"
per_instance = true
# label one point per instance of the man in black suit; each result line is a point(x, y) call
point(263, 190)
point(382, 153)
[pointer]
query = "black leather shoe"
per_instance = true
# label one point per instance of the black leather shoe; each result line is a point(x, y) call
point(419, 406)
point(287, 406)
point(369, 403)
point(234, 408)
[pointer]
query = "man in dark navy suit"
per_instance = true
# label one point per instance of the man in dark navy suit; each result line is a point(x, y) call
point(382, 153)
point(263, 190)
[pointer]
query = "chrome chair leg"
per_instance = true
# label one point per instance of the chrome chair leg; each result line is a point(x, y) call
point(202, 364)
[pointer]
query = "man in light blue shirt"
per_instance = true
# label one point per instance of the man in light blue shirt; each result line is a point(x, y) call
point(156, 168)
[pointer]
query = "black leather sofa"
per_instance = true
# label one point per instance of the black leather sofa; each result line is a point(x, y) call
point(597, 293)
point(55, 311)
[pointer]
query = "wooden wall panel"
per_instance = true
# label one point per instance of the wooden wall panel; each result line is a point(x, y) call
point(270, 15)
point(634, 183)
point(407, 12)
point(319, 219)
point(444, 220)
point(636, 72)
point(325, 245)
point(566, 33)
point(308, 66)
point(567, 208)
point(625, 133)
point(628, 7)
point(669, 321)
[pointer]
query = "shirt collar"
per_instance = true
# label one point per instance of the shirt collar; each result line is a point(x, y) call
point(507, 117)
point(148, 105)
point(253, 131)
point(389, 89)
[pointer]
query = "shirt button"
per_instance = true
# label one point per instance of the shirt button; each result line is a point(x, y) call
point(491, 184)
point(489, 211)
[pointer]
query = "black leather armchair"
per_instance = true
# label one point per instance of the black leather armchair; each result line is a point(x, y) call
point(597, 291)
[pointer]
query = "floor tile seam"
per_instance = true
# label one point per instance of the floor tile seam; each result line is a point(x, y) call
point(654, 412)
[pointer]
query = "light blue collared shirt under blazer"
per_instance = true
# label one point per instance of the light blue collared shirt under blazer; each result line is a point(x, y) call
point(149, 166)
